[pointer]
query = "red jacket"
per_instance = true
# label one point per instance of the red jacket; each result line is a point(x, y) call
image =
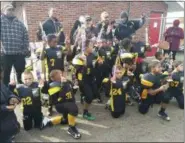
point(173, 36)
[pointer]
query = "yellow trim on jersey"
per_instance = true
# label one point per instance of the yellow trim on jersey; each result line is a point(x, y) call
point(111, 99)
point(79, 76)
point(144, 94)
point(146, 83)
point(54, 90)
point(105, 80)
point(16, 92)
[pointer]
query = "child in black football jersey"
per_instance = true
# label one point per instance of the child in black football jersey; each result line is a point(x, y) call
point(54, 56)
point(29, 93)
point(116, 85)
point(62, 92)
point(176, 86)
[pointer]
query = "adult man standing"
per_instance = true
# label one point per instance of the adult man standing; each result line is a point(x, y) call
point(52, 26)
point(15, 43)
point(173, 35)
point(125, 27)
point(103, 28)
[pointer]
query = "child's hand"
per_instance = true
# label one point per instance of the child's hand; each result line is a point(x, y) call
point(164, 87)
point(63, 79)
point(100, 60)
point(13, 83)
point(83, 57)
point(113, 79)
point(129, 73)
point(41, 83)
point(67, 40)
point(44, 42)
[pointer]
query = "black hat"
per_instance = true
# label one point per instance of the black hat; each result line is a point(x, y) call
point(88, 18)
point(124, 14)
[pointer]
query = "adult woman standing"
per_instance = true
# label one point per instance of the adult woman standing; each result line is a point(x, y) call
point(173, 35)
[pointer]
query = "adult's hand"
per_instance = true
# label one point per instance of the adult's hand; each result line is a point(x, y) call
point(13, 101)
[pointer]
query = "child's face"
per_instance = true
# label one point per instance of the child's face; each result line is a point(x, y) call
point(118, 74)
point(57, 76)
point(109, 43)
point(160, 57)
point(89, 23)
point(53, 43)
point(27, 79)
point(180, 68)
point(89, 50)
point(157, 69)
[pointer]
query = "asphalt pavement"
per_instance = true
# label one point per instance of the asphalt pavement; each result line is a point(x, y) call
point(131, 127)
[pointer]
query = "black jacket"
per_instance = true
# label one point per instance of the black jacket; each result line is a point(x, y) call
point(8, 121)
point(125, 30)
point(105, 35)
point(52, 27)
point(73, 30)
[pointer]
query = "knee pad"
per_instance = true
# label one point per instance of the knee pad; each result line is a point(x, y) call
point(181, 103)
point(143, 108)
point(181, 106)
point(27, 122)
point(115, 115)
point(88, 100)
point(74, 112)
point(38, 120)
point(73, 109)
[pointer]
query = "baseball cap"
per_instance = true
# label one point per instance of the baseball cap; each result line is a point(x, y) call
point(8, 6)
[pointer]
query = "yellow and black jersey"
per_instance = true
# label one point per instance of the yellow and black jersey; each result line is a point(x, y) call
point(61, 92)
point(106, 54)
point(150, 81)
point(86, 72)
point(30, 96)
point(55, 58)
point(178, 79)
point(117, 94)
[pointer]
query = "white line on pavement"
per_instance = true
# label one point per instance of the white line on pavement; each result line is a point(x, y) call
point(90, 123)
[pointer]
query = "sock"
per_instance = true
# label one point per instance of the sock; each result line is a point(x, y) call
point(71, 120)
point(162, 109)
point(108, 102)
point(85, 111)
point(45, 121)
point(56, 120)
point(127, 97)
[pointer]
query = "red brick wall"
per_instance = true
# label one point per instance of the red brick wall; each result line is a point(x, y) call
point(68, 12)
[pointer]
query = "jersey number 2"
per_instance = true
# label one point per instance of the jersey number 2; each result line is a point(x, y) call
point(27, 101)
point(116, 92)
point(52, 62)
